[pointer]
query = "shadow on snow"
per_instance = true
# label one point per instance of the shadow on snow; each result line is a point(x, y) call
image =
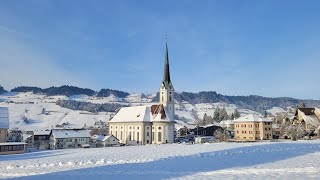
point(180, 166)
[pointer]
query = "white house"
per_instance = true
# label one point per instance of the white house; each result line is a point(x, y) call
point(69, 138)
point(104, 141)
point(148, 124)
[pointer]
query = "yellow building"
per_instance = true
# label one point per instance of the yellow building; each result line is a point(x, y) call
point(252, 127)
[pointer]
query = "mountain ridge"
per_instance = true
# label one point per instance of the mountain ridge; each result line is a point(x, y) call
point(252, 102)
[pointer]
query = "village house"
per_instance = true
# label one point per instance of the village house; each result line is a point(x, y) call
point(41, 139)
point(104, 141)
point(308, 117)
point(8, 147)
point(252, 127)
point(28, 138)
point(207, 130)
point(152, 124)
point(69, 138)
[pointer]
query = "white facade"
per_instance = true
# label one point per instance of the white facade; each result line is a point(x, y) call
point(68, 138)
point(148, 124)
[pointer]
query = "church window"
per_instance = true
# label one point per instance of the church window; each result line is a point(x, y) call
point(121, 135)
point(116, 134)
point(129, 136)
point(152, 136)
point(170, 98)
point(137, 136)
point(159, 128)
point(159, 136)
point(147, 133)
point(162, 98)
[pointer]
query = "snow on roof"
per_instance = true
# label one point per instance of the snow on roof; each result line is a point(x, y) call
point(41, 133)
point(12, 143)
point(142, 114)
point(136, 113)
point(70, 133)
point(226, 122)
point(4, 118)
point(252, 118)
point(310, 119)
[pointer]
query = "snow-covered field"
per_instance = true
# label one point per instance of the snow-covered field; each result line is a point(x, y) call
point(265, 160)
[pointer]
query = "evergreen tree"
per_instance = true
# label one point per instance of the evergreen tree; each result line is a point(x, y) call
point(236, 114)
point(232, 116)
point(216, 114)
point(223, 115)
point(265, 113)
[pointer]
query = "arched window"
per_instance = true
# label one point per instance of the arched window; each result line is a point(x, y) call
point(170, 98)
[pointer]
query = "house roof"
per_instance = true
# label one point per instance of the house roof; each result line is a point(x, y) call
point(142, 114)
point(42, 133)
point(252, 118)
point(104, 138)
point(12, 143)
point(306, 111)
point(310, 119)
point(70, 133)
point(4, 118)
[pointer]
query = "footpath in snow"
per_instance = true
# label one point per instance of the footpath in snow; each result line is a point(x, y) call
point(276, 160)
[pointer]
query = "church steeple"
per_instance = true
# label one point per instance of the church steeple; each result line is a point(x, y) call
point(166, 73)
point(166, 89)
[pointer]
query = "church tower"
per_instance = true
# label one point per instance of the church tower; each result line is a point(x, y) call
point(166, 89)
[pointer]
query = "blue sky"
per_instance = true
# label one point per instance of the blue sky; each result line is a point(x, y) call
point(268, 48)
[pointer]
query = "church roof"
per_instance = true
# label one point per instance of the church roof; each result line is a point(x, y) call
point(142, 114)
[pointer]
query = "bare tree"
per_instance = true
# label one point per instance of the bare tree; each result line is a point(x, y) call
point(294, 131)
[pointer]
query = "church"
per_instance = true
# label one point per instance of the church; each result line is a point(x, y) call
point(151, 124)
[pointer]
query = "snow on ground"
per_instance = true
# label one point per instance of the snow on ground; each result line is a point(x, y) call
point(264, 160)
point(54, 115)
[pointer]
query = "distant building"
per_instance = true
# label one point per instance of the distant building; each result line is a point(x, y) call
point(105, 141)
point(15, 135)
point(308, 117)
point(8, 147)
point(12, 148)
point(4, 124)
point(148, 124)
point(68, 138)
point(252, 127)
point(182, 132)
point(207, 130)
point(227, 124)
point(28, 137)
point(41, 139)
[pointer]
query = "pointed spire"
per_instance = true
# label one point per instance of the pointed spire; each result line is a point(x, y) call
point(166, 75)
